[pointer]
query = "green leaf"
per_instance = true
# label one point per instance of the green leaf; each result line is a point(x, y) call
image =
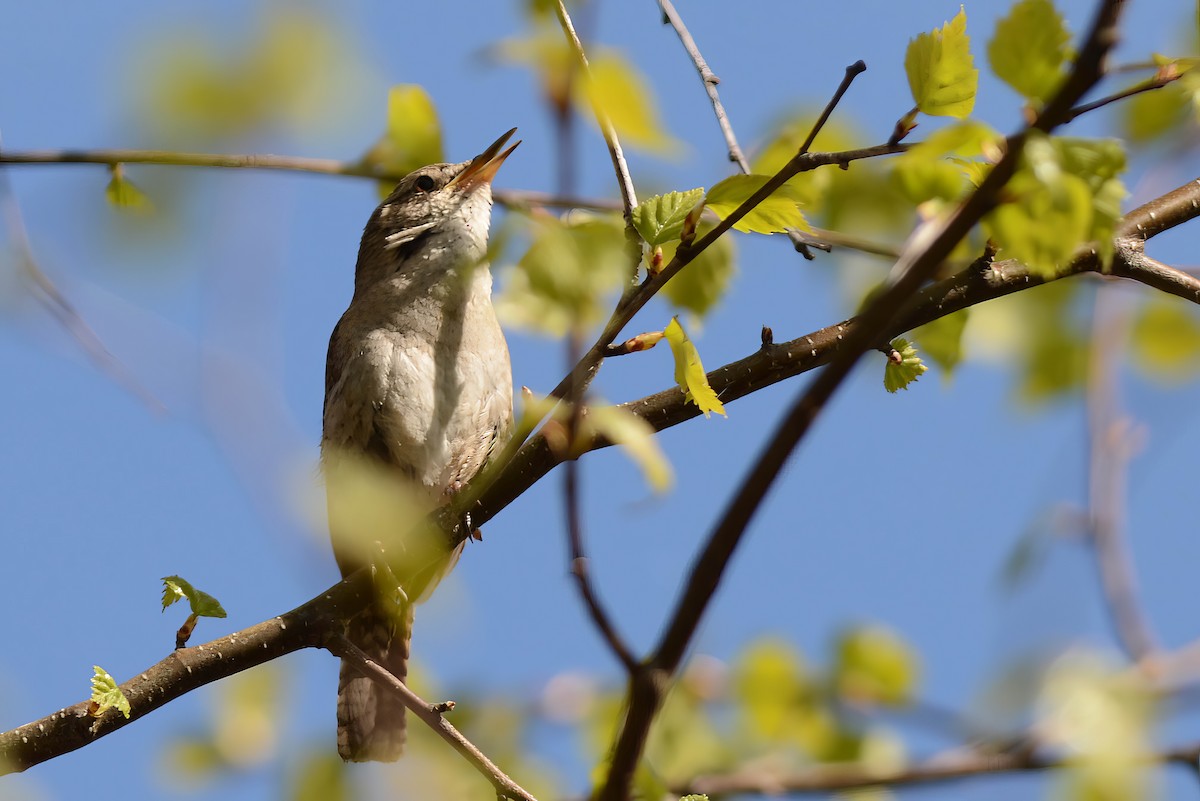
point(942, 167)
point(1149, 116)
point(873, 665)
point(106, 694)
point(1166, 340)
point(689, 372)
point(636, 437)
point(202, 604)
point(897, 376)
point(619, 89)
point(1044, 224)
point(1065, 195)
point(941, 73)
point(125, 194)
point(563, 280)
point(320, 776)
point(941, 340)
point(413, 137)
point(778, 212)
point(1029, 49)
point(771, 683)
point(660, 218)
point(704, 281)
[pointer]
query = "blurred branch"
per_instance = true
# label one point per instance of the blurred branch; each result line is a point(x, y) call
point(55, 302)
point(960, 765)
point(1110, 441)
point(1158, 81)
point(432, 715)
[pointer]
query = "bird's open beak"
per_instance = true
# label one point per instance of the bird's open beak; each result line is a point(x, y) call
point(483, 167)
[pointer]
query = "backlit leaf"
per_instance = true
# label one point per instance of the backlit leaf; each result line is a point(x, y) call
point(771, 683)
point(636, 437)
point(941, 73)
point(660, 219)
point(202, 604)
point(872, 665)
point(617, 88)
point(689, 372)
point(106, 694)
point(897, 376)
point(125, 194)
point(413, 137)
point(1029, 49)
point(778, 212)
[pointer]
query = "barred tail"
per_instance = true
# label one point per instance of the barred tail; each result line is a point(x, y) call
point(371, 723)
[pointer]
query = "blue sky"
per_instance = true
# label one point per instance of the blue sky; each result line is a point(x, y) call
point(226, 321)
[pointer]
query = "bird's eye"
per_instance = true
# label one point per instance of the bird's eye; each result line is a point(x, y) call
point(425, 183)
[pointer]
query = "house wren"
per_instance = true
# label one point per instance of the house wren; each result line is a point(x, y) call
point(418, 393)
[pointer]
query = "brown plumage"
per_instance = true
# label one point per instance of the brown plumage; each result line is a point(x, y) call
point(418, 394)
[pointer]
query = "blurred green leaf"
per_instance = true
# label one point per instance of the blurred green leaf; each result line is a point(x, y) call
point(660, 219)
point(563, 280)
point(941, 72)
point(778, 212)
point(618, 88)
point(704, 281)
point(873, 665)
point(635, 436)
point(413, 137)
point(1029, 49)
point(689, 372)
point(1166, 339)
point(202, 604)
point(106, 694)
point(319, 775)
point(939, 168)
point(771, 684)
point(941, 340)
point(1044, 223)
point(898, 375)
point(1149, 116)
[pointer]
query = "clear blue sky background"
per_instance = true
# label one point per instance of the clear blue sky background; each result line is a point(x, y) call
point(226, 319)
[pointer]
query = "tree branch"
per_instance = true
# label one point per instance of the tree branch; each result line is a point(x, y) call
point(926, 250)
point(834, 778)
point(433, 717)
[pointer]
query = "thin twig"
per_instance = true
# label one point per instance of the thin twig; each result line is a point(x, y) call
point(433, 717)
point(710, 82)
point(852, 72)
point(624, 181)
point(57, 304)
point(926, 250)
point(1148, 85)
point(1109, 444)
point(517, 198)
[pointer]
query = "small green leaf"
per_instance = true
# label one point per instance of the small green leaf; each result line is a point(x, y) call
point(636, 437)
point(873, 665)
point(1045, 223)
point(941, 340)
point(660, 218)
point(704, 281)
point(202, 604)
point(778, 212)
point(898, 375)
point(941, 73)
point(106, 694)
point(413, 137)
point(689, 372)
point(125, 194)
point(770, 684)
point(1029, 49)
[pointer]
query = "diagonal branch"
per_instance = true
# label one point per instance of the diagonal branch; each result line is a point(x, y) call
point(926, 250)
point(432, 715)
